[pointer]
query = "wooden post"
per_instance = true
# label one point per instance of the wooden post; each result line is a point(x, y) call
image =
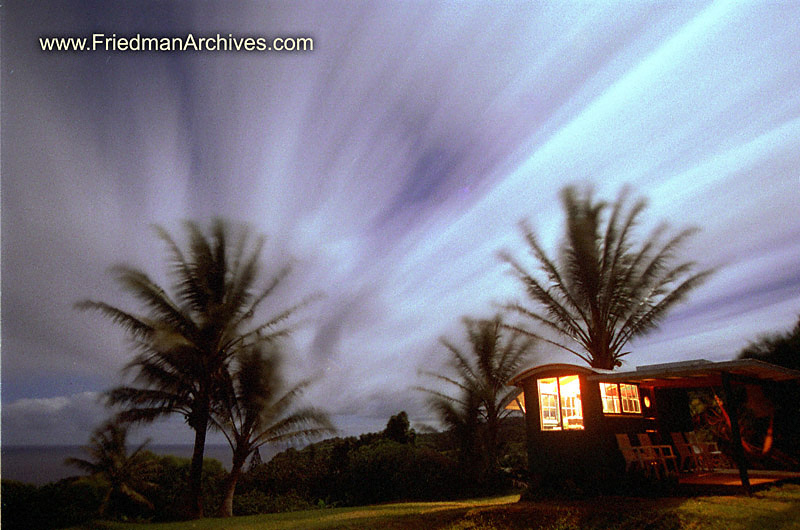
point(733, 413)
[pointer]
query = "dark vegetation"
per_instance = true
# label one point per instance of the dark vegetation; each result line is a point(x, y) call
point(392, 465)
point(78, 500)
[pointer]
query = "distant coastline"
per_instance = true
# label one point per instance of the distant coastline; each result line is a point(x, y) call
point(45, 463)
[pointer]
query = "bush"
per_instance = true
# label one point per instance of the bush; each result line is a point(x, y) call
point(387, 471)
point(170, 477)
point(64, 503)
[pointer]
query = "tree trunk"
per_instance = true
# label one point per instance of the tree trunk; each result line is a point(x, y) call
point(195, 501)
point(226, 508)
point(493, 428)
point(101, 512)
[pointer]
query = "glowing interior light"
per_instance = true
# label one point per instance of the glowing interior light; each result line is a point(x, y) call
point(620, 398)
point(560, 404)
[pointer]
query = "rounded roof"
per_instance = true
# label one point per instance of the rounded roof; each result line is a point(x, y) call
point(553, 367)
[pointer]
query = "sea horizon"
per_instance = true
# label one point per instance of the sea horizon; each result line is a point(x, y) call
point(41, 464)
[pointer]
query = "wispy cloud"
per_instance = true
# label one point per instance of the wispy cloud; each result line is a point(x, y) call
point(392, 163)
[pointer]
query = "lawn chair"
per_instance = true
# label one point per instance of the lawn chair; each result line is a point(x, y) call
point(711, 455)
point(630, 453)
point(662, 454)
point(686, 453)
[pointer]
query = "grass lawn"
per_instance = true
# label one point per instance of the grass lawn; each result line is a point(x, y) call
point(775, 508)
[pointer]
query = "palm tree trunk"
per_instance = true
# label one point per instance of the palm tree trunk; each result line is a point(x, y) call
point(195, 501)
point(101, 512)
point(226, 508)
point(493, 427)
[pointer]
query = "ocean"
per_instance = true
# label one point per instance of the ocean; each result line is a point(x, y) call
point(42, 464)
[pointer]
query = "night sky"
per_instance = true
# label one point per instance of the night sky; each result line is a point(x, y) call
point(391, 163)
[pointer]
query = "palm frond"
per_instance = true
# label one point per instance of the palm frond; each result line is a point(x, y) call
point(134, 325)
point(155, 298)
point(603, 290)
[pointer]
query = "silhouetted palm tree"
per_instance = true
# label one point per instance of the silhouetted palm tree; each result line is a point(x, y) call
point(478, 405)
point(186, 339)
point(257, 410)
point(126, 474)
point(604, 289)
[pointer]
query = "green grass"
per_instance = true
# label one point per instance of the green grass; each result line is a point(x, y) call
point(775, 508)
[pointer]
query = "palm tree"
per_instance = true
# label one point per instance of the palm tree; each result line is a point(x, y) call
point(124, 473)
point(604, 289)
point(185, 340)
point(495, 354)
point(460, 416)
point(257, 411)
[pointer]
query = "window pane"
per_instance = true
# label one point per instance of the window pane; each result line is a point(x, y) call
point(571, 408)
point(609, 394)
point(548, 404)
point(630, 399)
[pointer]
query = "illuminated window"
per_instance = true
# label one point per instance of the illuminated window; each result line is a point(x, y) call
point(630, 399)
point(620, 398)
point(609, 393)
point(548, 404)
point(560, 403)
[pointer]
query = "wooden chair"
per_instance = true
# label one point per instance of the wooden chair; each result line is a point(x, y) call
point(686, 452)
point(631, 454)
point(662, 454)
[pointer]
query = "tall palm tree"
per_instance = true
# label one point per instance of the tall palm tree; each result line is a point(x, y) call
point(186, 338)
point(495, 354)
point(256, 409)
point(604, 289)
point(126, 474)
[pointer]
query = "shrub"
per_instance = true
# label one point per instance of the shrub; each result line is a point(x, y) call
point(64, 503)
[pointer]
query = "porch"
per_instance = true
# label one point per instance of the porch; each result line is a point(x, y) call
point(583, 411)
point(728, 481)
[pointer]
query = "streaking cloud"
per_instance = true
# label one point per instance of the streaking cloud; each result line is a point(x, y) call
point(391, 163)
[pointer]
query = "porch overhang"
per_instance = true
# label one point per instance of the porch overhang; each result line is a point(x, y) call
point(698, 373)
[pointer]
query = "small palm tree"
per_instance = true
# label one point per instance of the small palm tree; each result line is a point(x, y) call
point(478, 403)
point(185, 340)
point(460, 415)
point(109, 460)
point(257, 410)
point(604, 289)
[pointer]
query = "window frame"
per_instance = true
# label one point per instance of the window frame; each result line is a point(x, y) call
point(553, 405)
point(621, 402)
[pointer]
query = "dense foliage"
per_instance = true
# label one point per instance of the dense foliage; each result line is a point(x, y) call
point(76, 500)
point(351, 471)
point(374, 468)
